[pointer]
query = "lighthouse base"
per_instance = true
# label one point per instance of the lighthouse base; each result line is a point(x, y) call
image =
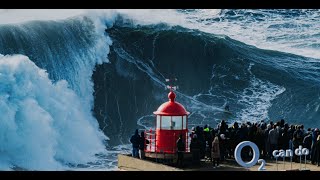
point(157, 155)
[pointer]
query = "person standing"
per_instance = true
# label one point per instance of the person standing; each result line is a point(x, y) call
point(135, 144)
point(195, 150)
point(180, 150)
point(315, 134)
point(318, 150)
point(273, 139)
point(142, 143)
point(215, 151)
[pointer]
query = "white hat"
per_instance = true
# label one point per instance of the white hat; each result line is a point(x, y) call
point(268, 126)
point(222, 136)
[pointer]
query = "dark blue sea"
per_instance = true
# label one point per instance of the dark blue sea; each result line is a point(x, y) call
point(75, 84)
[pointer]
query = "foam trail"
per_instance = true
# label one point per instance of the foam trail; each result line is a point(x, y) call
point(257, 98)
point(43, 125)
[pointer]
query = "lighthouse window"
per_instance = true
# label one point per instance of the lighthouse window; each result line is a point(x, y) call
point(166, 122)
point(176, 122)
point(158, 122)
point(184, 122)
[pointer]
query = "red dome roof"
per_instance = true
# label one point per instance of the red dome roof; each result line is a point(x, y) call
point(171, 108)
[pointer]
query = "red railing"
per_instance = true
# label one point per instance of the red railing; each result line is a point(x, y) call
point(151, 137)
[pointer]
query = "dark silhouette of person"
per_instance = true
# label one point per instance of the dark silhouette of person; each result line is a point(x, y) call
point(135, 144)
point(315, 134)
point(180, 150)
point(142, 143)
point(318, 151)
point(226, 108)
point(195, 150)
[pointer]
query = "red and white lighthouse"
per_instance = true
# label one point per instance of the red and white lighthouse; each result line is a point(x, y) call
point(171, 121)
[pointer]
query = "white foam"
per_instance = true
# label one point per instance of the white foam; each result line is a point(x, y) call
point(257, 99)
point(14, 16)
point(43, 125)
point(300, 39)
point(54, 125)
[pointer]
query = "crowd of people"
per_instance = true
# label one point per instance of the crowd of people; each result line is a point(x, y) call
point(207, 142)
point(219, 143)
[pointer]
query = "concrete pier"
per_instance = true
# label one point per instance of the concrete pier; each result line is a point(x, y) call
point(129, 163)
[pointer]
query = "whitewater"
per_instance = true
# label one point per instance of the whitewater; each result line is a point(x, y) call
point(52, 116)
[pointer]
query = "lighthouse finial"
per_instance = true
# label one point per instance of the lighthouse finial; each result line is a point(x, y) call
point(171, 94)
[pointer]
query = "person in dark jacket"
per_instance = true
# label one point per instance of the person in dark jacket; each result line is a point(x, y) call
point(135, 144)
point(318, 150)
point(142, 143)
point(180, 150)
point(307, 141)
point(195, 150)
point(315, 134)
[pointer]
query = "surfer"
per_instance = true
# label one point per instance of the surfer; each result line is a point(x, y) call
point(226, 108)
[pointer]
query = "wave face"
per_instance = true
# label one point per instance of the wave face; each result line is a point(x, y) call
point(212, 71)
point(47, 122)
point(73, 91)
point(291, 30)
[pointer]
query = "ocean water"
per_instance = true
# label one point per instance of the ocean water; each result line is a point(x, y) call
point(75, 84)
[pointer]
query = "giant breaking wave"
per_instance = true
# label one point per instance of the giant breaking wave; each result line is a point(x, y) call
point(73, 90)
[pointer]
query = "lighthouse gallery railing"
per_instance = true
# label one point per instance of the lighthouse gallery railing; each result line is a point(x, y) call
point(151, 147)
